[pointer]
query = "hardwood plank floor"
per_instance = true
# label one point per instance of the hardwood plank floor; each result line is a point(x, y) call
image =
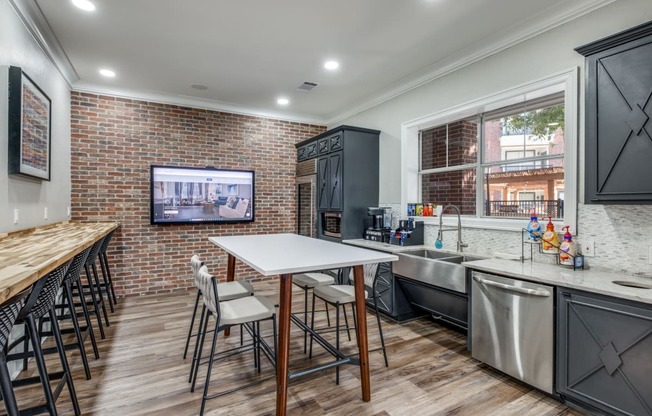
point(141, 372)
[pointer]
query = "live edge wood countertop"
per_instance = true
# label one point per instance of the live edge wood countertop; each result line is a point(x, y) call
point(26, 256)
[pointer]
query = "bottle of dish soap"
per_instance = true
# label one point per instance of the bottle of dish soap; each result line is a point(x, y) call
point(550, 241)
point(567, 249)
point(534, 228)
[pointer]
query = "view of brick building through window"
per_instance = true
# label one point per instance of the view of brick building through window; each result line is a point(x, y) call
point(522, 166)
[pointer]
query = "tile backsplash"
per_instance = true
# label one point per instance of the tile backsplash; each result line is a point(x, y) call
point(622, 236)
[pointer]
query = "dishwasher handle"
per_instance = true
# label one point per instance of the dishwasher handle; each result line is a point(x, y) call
point(533, 292)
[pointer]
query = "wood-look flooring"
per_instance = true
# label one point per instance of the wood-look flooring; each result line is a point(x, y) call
point(141, 372)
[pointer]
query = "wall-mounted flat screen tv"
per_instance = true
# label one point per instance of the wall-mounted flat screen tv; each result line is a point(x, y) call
point(183, 195)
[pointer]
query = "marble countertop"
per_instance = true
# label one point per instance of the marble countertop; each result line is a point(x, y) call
point(592, 280)
point(595, 281)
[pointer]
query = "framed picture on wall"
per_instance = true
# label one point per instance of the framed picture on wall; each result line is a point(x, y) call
point(29, 127)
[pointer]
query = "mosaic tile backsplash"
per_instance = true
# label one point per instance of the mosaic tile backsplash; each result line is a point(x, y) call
point(622, 236)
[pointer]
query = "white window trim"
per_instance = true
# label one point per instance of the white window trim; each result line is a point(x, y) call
point(567, 81)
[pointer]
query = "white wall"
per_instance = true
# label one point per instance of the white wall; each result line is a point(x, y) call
point(30, 197)
point(541, 56)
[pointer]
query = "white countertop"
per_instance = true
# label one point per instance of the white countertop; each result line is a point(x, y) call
point(595, 281)
point(274, 254)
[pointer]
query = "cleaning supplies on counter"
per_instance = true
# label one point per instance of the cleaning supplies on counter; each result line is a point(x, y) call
point(534, 228)
point(550, 241)
point(567, 249)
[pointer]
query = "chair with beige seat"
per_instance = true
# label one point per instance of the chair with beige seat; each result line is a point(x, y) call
point(307, 281)
point(228, 290)
point(341, 295)
point(248, 311)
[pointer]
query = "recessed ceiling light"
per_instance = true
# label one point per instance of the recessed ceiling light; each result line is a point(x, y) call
point(331, 65)
point(107, 73)
point(84, 5)
point(283, 101)
point(200, 87)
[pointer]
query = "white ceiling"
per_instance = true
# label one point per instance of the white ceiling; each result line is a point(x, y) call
point(249, 52)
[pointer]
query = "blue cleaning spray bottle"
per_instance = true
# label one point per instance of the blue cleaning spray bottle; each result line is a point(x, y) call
point(534, 228)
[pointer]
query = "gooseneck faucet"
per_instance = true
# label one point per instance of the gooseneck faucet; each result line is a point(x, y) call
point(460, 244)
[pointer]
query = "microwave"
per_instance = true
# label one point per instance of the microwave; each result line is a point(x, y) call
point(331, 223)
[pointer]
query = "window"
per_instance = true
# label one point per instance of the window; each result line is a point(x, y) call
point(500, 157)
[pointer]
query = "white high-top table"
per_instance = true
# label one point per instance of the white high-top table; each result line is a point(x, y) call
point(287, 254)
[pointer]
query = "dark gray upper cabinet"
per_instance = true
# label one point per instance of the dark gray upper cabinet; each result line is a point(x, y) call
point(604, 352)
point(347, 174)
point(618, 112)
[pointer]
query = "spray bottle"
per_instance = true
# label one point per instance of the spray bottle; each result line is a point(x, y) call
point(567, 249)
point(534, 228)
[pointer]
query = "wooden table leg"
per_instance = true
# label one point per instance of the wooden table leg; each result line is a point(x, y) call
point(361, 314)
point(230, 275)
point(285, 306)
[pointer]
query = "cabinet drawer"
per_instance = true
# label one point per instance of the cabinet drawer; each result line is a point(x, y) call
point(323, 146)
point(311, 150)
point(335, 142)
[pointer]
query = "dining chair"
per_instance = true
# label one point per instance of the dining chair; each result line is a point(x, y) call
point(309, 281)
point(249, 311)
point(229, 290)
point(342, 295)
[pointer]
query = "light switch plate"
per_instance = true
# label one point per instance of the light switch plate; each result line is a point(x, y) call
point(588, 248)
point(15, 215)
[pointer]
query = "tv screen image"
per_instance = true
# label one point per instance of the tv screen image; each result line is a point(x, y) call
point(183, 195)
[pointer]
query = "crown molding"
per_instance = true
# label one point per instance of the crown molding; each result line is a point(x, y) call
point(33, 19)
point(534, 27)
point(194, 102)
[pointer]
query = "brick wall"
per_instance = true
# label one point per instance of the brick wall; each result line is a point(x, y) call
point(455, 187)
point(114, 141)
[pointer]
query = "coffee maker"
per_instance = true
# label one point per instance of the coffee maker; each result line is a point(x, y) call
point(380, 226)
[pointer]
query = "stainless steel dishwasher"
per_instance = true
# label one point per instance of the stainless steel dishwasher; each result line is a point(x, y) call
point(512, 327)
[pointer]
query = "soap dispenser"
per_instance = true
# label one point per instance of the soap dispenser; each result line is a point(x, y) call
point(534, 228)
point(550, 241)
point(567, 249)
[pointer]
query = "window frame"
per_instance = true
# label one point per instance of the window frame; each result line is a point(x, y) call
point(566, 81)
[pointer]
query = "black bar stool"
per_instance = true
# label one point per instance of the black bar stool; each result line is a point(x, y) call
point(68, 311)
point(107, 283)
point(93, 289)
point(39, 303)
point(8, 313)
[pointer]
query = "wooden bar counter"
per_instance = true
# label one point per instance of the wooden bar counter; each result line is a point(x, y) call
point(26, 256)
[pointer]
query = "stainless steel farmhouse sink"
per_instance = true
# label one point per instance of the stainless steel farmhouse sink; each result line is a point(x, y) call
point(434, 268)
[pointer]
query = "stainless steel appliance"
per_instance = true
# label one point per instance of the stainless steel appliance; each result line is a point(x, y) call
point(307, 198)
point(512, 327)
point(331, 223)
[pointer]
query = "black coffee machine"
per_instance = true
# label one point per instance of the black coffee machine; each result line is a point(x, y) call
point(408, 233)
point(378, 227)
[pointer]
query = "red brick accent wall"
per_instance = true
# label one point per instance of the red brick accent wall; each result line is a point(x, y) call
point(114, 141)
point(455, 187)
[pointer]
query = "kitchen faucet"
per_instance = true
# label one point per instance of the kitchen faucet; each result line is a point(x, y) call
point(460, 244)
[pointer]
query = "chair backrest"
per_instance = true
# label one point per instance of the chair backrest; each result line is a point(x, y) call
point(370, 274)
point(209, 291)
point(95, 249)
point(44, 293)
point(106, 241)
point(77, 263)
point(195, 265)
point(9, 312)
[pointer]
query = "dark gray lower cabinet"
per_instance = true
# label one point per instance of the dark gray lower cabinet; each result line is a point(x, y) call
point(391, 298)
point(604, 352)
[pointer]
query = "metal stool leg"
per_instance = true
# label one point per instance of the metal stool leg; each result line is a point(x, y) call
point(64, 360)
point(87, 318)
point(96, 308)
point(6, 389)
point(67, 293)
point(192, 324)
point(40, 363)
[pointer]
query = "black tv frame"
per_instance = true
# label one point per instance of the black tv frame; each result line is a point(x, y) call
point(152, 221)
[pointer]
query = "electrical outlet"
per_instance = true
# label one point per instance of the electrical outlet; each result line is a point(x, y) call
point(15, 215)
point(45, 213)
point(649, 254)
point(588, 248)
point(69, 211)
